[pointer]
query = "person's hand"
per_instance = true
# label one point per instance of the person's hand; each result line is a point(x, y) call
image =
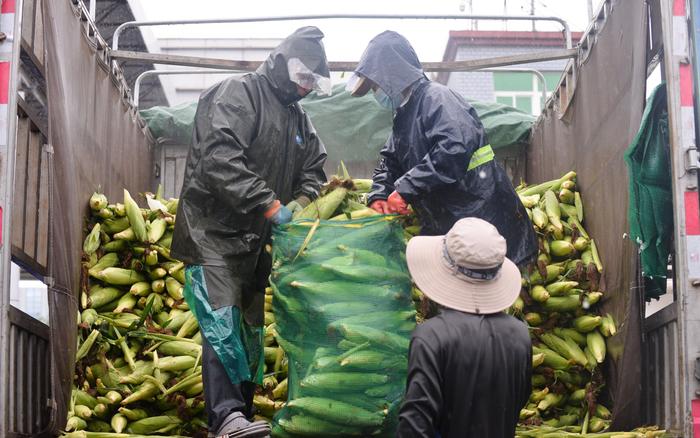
point(380, 206)
point(278, 214)
point(298, 204)
point(397, 204)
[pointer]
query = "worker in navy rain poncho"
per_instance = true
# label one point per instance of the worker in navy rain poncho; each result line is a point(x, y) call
point(254, 159)
point(437, 159)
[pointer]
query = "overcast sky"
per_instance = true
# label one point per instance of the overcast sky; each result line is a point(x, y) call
point(346, 39)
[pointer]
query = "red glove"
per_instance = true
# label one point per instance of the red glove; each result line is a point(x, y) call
point(380, 206)
point(397, 204)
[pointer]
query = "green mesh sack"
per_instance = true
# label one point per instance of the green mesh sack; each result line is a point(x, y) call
point(650, 209)
point(344, 316)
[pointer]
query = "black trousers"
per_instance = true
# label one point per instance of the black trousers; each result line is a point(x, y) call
point(221, 397)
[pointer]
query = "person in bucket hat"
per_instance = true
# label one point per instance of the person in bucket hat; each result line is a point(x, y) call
point(469, 367)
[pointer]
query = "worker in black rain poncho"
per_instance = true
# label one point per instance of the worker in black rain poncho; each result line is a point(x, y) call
point(437, 159)
point(255, 159)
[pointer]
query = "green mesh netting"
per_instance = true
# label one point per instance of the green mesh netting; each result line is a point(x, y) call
point(344, 316)
point(238, 345)
point(651, 206)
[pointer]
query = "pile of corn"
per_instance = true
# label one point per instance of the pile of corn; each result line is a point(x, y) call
point(560, 302)
point(272, 394)
point(137, 367)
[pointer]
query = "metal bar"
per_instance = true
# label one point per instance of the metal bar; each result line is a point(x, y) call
point(469, 65)
point(93, 9)
point(661, 318)
point(147, 73)
point(7, 158)
point(532, 18)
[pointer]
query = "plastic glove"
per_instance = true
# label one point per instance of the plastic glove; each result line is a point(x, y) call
point(397, 204)
point(278, 214)
point(298, 204)
point(380, 206)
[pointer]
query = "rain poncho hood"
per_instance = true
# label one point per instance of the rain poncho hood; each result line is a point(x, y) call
point(438, 157)
point(390, 62)
point(304, 44)
point(252, 143)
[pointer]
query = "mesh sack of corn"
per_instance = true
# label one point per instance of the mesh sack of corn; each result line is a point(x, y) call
point(344, 316)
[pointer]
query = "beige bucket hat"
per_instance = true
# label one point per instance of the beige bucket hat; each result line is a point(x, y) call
point(466, 269)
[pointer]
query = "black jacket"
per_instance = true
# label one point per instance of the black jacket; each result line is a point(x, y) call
point(252, 143)
point(468, 376)
point(435, 134)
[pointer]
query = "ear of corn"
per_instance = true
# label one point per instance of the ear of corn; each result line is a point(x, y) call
point(337, 412)
point(98, 201)
point(120, 276)
point(587, 323)
point(596, 344)
point(118, 423)
point(92, 241)
point(150, 425)
point(133, 212)
point(323, 207)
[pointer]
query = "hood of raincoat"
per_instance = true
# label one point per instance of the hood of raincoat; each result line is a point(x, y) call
point(390, 62)
point(304, 44)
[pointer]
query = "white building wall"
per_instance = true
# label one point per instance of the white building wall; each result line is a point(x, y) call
point(479, 85)
point(187, 88)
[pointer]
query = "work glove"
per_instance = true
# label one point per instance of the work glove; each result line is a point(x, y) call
point(397, 204)
point(380, 206)
point(278, 214)
point(298, 204)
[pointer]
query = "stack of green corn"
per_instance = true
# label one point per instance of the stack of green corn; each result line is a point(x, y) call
point(137, 367)
point(272, 394)
point(574, 432)
point(560, 302)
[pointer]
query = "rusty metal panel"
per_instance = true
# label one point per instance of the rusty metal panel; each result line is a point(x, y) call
point(32, 193)
point(20, 180)
point(43, 210)
point(28, 22)
point(31, 202)
point(662, 368)
point(38, 46)
point(29, 373)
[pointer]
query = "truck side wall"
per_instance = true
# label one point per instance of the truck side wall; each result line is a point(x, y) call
point(602, 118)
point(97, 142)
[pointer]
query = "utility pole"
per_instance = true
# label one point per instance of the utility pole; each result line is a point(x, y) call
point(590, 10)
point(532, 12)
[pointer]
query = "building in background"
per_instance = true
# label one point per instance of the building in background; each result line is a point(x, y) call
point(187, 87)
point(522, 90)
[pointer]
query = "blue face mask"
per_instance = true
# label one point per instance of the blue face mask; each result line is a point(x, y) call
point(383, 99)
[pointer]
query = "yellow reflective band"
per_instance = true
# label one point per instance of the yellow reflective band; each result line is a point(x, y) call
point(482, 156)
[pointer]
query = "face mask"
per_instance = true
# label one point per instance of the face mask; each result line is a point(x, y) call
point(383, 99)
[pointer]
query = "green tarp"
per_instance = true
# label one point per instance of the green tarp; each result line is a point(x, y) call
point(353, 129)
point(651, 206)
